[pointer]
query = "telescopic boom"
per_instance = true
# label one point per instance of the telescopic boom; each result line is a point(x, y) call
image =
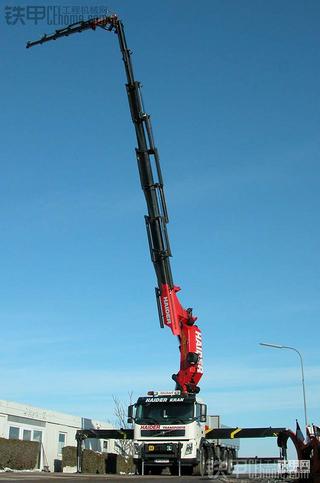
point(171, 313)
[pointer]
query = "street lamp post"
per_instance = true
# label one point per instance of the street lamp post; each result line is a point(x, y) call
point(277, 346)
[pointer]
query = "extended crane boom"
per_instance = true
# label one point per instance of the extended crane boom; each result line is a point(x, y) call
point(181, 321)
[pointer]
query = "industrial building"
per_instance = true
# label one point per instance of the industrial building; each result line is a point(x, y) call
point(52, 429)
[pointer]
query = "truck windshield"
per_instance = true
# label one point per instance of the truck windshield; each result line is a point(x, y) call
point(158, 413)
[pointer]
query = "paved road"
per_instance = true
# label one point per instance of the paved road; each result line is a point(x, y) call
point(62, 478)
point(73, 478)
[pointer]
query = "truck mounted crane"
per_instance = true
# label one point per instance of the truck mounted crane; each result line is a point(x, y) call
point(170, 428)
point(181, 321)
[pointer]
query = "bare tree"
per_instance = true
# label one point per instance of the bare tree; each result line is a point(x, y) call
point(120, 411)
point(124, 447)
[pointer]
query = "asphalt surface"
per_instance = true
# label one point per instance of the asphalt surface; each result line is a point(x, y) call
point(63, 477)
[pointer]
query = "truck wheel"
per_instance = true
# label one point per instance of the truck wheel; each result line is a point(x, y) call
point(230, 464)
point(202, 461)
point(209, 461)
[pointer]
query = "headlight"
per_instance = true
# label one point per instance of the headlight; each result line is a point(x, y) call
point(189, 448)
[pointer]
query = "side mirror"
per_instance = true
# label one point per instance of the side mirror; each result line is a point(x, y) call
point(130, 414)
point(203, 413)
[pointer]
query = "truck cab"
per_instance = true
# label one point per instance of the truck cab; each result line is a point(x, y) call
point(169, 431)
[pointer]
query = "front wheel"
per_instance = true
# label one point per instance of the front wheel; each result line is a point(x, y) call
point(230, 464)
point(202, 461)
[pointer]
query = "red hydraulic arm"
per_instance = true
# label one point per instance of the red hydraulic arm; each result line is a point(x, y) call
point(171, 313)
point(182, 323)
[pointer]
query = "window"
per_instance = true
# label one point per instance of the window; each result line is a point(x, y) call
point(14, 432)
point(164, 413)
point(37, 436)
point(61, 442)
point(27, 435)
point(105, 446)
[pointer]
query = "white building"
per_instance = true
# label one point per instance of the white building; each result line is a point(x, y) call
point(52, 429)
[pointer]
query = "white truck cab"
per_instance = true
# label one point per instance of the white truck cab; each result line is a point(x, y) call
point(170, 431)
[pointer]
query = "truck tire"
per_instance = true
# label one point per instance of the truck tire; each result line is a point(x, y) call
point(209, 461)
point(203, 461)
point(206, 461)
point(230, 463)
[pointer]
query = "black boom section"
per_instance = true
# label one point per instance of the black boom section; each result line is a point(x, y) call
point(149, 171)
point(230, 433)
point(146, 152)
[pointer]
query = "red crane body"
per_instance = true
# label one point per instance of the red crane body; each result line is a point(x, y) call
point(171, 313)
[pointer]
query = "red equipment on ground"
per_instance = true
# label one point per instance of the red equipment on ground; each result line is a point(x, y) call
point(308, 451)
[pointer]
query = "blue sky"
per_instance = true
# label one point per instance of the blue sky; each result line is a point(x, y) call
point(233, 91)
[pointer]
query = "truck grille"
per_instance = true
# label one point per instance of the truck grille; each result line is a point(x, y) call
point(155, 451)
